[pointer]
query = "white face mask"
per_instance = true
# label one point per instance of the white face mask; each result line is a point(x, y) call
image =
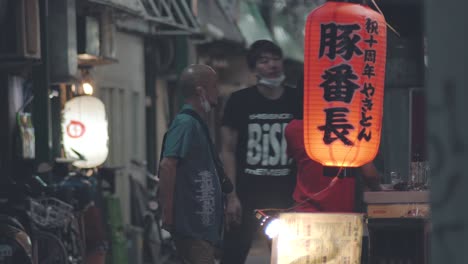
point(275, 82)
point(205, 104)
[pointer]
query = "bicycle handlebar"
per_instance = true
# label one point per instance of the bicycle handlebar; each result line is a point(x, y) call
point(142, 165)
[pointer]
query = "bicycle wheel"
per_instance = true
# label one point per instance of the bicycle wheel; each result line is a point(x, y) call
point(151, 239)
point(73, 241)
point(49, 248)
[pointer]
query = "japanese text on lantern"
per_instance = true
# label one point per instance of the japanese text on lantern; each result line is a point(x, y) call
point(339, 80)
point(370, 55)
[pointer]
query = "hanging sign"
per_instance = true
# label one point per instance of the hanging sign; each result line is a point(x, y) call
point(345, 53)
point(305, 238)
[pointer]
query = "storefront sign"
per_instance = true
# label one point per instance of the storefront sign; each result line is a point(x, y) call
point(313, 238)
point(345, 54)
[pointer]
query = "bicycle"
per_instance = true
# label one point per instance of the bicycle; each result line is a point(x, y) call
point(73, 189)
point(157, 243)
point(26, 221)
point(48, 216)
point(77, 189)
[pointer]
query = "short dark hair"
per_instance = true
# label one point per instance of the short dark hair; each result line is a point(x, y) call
point(260, 47)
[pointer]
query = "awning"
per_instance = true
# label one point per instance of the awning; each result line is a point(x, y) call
point(288, 21)
point(293, 48)
point(173, 14)
point(172, 17)
point(251, 23)
point(130, 6)
point(216, 23)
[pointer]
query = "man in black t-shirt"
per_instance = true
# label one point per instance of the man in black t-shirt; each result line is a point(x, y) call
point(254, 148)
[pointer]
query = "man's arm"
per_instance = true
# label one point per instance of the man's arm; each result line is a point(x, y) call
point(229, 144)
point(228, 153)
point(167, 176)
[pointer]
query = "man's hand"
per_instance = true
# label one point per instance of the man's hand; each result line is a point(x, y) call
point(233, 211)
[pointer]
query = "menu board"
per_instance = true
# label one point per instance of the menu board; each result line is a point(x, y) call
point(312, 238)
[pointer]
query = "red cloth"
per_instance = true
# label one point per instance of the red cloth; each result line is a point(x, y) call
point(310, 180)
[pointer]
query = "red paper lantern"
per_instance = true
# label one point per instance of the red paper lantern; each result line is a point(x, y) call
point(345, 53)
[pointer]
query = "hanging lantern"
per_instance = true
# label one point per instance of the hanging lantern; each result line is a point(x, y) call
point(84, 131)
point(345, 53)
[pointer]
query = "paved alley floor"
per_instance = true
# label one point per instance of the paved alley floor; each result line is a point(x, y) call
point(259, 253)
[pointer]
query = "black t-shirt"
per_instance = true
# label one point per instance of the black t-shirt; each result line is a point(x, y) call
point(265, 174)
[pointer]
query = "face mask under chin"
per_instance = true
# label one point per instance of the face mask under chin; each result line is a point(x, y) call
point(205, 104)
point(271, 82)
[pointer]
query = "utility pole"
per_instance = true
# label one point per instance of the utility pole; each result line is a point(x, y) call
point(42, 120)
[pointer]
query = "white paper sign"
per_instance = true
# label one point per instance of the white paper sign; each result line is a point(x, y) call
point(313, 238)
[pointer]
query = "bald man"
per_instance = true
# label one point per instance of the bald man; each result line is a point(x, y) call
point(191, 195)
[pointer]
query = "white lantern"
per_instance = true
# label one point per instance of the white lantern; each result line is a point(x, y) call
point(84, 131)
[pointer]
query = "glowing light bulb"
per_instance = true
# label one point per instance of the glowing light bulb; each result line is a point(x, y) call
point(88, 88)
point(273, 228)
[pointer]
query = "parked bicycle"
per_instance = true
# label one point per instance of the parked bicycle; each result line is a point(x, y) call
point(157, 243)
point(51, 215)
point(27, 218)
point(77, 190)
